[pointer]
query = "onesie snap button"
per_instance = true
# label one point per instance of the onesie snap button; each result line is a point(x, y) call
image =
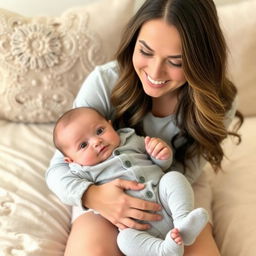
point(141, 179)
point(127, 163)
point(149, 194)
point(117, 153)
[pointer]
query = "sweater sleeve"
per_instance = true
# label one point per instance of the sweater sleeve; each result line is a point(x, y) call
point(95, 93)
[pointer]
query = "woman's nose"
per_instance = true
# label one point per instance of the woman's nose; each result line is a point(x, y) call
point(156, 69)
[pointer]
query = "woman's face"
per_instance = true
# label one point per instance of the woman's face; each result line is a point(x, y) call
point(157, 58)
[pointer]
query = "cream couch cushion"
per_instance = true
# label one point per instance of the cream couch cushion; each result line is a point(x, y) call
point(44, 60)
point(234, 196)
point(33, 222)
point(239, 26)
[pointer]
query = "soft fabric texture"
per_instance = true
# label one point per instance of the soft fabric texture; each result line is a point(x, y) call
point(172, 190)
point(33, 222)
point(44, 60)
point(234, 193)
point(239, 26)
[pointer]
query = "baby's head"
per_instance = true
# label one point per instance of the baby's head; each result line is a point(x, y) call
point(84, 136)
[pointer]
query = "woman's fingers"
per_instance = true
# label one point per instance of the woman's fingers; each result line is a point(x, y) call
point(128, 185)
point(130, 223)
point(145, 216)
point(136, 203)
point(120, 208)
point(121, 226)
point(134, 216)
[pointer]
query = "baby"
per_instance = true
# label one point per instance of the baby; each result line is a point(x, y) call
point(98, 153)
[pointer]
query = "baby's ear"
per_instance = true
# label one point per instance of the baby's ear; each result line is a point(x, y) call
point(68, 159)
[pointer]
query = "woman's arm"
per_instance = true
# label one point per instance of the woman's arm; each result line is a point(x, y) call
point(108, 199)
point(68, 187)
point(93, 93)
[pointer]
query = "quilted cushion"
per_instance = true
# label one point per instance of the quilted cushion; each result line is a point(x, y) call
point(44, 60)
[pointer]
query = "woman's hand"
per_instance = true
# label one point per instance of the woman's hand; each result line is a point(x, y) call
point(119, 208)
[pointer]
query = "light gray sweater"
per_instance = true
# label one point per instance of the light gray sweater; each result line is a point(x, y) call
point(95, 92)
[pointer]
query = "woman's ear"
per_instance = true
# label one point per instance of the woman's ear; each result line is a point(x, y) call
point(68, 159)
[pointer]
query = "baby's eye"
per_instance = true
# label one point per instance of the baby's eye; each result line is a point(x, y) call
point(100, 131)
point(83, 145)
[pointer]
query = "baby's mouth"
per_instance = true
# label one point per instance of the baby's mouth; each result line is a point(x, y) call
point(103, 148)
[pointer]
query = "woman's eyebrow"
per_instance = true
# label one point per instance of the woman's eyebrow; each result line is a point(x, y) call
point(145, 44)
point(171, 56)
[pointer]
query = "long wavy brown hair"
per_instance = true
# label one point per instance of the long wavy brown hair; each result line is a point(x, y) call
point(207, 95)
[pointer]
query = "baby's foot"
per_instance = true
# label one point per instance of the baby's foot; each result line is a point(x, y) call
point(190, 226)
point(176, 236)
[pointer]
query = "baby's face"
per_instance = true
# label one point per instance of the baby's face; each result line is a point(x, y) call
point(89, 139)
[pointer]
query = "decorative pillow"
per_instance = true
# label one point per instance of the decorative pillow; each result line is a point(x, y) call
point(239, 26)
point(44, 60)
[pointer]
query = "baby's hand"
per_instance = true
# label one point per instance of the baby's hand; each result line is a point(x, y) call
point(157, 148)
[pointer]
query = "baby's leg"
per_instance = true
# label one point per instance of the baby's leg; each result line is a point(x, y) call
point(176, 193)
point(140, 243)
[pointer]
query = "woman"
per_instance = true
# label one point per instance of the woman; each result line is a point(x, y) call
point(169, 81)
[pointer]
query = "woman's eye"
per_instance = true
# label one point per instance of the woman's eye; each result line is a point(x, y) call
point(145, 53)
point(100, 131)
point(83, 145)
point(179, 65)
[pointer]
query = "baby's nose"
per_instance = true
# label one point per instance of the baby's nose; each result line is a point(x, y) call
point(96, 141)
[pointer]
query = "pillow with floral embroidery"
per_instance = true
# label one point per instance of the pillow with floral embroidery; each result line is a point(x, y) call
point(44, 60)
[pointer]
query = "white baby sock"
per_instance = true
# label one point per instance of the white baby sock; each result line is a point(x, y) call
point(191, 225)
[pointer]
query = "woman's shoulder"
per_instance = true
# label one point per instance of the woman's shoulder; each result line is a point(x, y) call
point(101, 80)
point(96, 90)
point(108, 69)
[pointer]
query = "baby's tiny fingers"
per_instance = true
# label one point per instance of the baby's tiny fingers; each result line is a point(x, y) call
point(163, 154)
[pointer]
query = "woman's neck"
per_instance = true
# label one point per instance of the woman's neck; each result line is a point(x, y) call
point(165, 105)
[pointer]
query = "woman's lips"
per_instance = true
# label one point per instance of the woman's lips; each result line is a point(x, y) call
point(155, 83)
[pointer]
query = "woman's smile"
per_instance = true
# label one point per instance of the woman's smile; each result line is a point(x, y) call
point(158, 63)
point(156, 83)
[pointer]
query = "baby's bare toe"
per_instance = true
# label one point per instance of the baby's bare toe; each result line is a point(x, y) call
point(175, 235)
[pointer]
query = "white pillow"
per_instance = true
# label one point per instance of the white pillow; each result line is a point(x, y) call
point(44, 60)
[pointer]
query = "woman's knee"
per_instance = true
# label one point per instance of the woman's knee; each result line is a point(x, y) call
point(204, 244)
point(92, 235)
